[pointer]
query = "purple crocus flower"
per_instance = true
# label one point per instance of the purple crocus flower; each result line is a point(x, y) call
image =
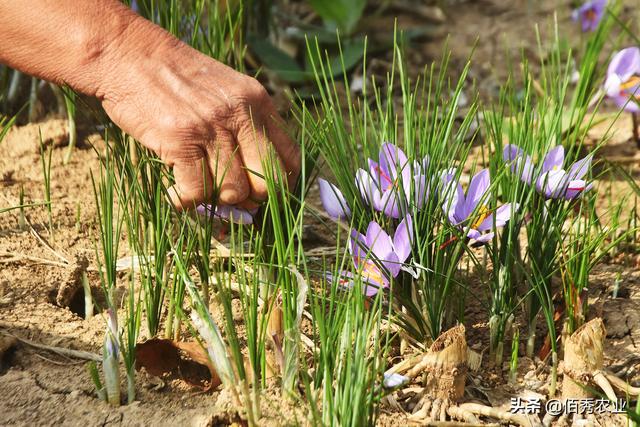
point(590, 14)
point(230, 213)
point(333, 200)
point(421, 188)
point(623, 79)
point(469, 211)
point(553, 181)
point(377, 245)
point(385, 181)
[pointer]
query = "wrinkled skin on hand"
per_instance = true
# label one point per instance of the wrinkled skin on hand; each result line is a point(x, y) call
point(210, 123)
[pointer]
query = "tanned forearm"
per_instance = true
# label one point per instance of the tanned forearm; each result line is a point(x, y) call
point(77, 42)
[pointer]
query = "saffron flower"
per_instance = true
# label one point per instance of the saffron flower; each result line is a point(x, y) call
point(386, 186)
point(553, 182)
point(623, 79)
point(230, 213)
point(333, 200)
point(469, 211)
point(590, 14)
point(377, 249)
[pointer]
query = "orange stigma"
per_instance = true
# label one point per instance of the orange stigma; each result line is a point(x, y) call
point(632, 83)
point(590, 15)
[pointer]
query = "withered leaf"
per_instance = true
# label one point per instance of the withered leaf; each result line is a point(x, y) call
point(186, 361)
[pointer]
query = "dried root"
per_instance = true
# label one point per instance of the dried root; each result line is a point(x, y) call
point(442, 372)
point(583, 367)
point(583, 356)
point(620, 384)
point(444, 366)
point(488, 411)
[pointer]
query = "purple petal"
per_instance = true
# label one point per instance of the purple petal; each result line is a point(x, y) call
point(479, 238)
point(501, 215)
point(624, 65)
point(333, 200)
point(379, 202)
point(374, 169)
point(367, 187)
point(483, 238)
point(554, 159)
point(454, 206)
point(612, 85)
point(477, 193)
point(392, 264)
point(421, 190)
point(234, 214)
point(425, 164)
point(505, 212)
point(204, 210)
point(370, 289)
point(626, 102)
point(553, 183)
point(403, 238)
point(392, 161)
point(421, 167)
point(575, 188)
point(378, 240)
point(347, 280)
point(417, 167)
point(511, 152)
point(473, 234)
point(521, 164)
point(230, 213)
point(590, 14)
point(447, 185)
point(358, 245)
point(389, 204)
point(575, 15)
point(525, 169)
point(580, 168)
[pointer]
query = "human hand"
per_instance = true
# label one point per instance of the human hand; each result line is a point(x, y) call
point(212, 125)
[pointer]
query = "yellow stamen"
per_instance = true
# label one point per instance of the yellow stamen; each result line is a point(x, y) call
point(629, 84)
point(483, 213)
point(372, 273)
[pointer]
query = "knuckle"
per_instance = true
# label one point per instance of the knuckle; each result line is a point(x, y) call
point(251, 94)
point(255, 91)
point(188, 126)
